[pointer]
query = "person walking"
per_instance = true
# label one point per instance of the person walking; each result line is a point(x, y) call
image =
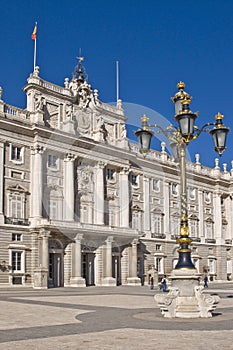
point(206, 282)
point(152, 283)
point(164, 284)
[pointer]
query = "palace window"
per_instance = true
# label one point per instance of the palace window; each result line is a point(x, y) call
point(159, 264)
point(207, 197)
point(16, 154)
point(156, 185)
point(175, 189)
point(16, 237)
point(134, 180)
point(137, 218)
point(16, 206)
point(212, 266)
point(52, 161)
point(193, 226)
point(156, 224)
point(192, 193)
point(110, 174)
point(209, 228)
point(16, 261)
point(175, 225)
point(53, 209)
point(196, 263)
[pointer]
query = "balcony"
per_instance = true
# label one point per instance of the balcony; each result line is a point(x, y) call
point(228, 241)
point(175, 237)
point(158, 235)
point(16, 221)
point(210, 240)
point(195, 239)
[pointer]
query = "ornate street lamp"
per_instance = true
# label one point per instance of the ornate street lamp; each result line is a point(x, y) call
point(181, 135)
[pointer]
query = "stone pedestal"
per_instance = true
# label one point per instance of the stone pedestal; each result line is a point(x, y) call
point(40, 278)
point(38, 117)
point(185, 298)
point(133, 281)
point(108, 282)
point(77, 282)
point(68, 126)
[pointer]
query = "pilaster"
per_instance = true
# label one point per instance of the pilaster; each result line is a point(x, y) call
point(69, 187)
point(146, 203)
point(99, 194)
point(124, 197)
point(1, 182)
point(108, 280)
point(133, 280)
point(76, 279)
point(36, 184)
point(166, 196)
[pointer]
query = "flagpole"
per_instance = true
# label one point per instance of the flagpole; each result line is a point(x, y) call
point(117, 80)
point(34, 35)
point(34, 54)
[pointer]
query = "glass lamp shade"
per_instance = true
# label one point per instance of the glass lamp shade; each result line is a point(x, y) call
point(219, 135)
point(144, 139)
point(186, 123)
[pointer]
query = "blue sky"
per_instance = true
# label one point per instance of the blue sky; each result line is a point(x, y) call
point(156, 43)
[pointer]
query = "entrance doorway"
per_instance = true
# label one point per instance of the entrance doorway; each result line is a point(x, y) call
point(55, 270)
point(116, 273)
point(88, 268)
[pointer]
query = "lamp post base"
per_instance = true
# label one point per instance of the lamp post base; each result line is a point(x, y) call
point(185, 298)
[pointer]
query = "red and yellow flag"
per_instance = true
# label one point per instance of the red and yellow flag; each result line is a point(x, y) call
point(34, 32)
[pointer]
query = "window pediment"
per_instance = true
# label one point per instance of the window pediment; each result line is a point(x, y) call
point(17, 188)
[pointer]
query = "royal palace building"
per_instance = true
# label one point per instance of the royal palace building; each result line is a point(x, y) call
point(80, 205)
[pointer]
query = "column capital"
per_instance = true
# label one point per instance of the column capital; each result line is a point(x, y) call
point(44, 233)
point(78, 237)
point(124, 171)
point(38, 149)
point(134, 241)
point(100, 165)
point(146, 178)
point(69, 157)
point(109, 239)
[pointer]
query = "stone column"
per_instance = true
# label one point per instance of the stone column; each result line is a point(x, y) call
point(37, 185)
point(201, 215)
point(146, 203)
point(69, 187)
point(1, 182)
point(41, 272)
point(166, 196)
point(76, 279)
point(229, 211)
point(99, 194)
point(108, 280)
point(217, 218)
point(133, 280)
point(124, 197)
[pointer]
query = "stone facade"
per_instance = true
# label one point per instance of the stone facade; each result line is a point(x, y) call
point(79, 204)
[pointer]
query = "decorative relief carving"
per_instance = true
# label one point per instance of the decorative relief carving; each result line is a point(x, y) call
point(85, 179)
point(38, 102)
point(83, 120)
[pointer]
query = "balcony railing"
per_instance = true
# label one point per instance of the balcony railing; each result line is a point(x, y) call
point(158, 235)
point(16, 221)
point(195, 239)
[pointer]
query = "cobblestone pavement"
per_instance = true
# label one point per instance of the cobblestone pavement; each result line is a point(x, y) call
point(107, 318)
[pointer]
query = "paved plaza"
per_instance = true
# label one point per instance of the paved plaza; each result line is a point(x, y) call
point(107, 318)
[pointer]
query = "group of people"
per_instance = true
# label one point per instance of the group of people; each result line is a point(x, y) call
point(163, 284)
